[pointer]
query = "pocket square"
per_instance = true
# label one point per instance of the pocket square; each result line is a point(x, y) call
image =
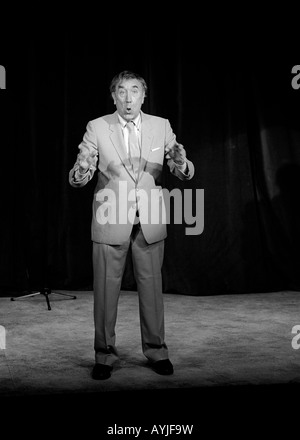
point(154, 149)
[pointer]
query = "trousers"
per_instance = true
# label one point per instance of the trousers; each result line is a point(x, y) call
point(108, 267)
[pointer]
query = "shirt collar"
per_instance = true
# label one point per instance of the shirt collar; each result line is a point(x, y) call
point(137, 121)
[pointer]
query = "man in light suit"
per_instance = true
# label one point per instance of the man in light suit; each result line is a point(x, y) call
point(128, 147)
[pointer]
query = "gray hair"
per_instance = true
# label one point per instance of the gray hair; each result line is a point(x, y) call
point(126, 74)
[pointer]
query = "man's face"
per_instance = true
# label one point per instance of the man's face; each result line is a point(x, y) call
point(128, 98)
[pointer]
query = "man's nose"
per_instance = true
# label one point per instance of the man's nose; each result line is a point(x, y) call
point(128, 97)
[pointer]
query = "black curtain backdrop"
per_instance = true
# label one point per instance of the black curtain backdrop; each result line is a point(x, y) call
point(231, 105)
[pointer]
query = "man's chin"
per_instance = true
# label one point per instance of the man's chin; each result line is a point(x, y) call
point(128, 116)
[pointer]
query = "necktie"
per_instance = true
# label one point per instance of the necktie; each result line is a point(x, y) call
point(133, 147)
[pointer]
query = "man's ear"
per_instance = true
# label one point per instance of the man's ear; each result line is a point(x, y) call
point(113, 95)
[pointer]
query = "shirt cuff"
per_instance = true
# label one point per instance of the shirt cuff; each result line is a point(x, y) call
point(80, 176)
point(183, 168)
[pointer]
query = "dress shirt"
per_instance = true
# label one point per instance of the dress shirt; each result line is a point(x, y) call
point(137, 128)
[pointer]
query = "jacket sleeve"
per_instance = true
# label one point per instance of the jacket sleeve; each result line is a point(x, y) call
point(89, 151)
point(175, 169)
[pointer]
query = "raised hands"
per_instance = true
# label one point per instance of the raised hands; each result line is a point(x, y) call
point(177, 153)
point(86, 158)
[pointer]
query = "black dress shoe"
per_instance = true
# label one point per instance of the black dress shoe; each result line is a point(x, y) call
point(101, 371)
point(163, 367)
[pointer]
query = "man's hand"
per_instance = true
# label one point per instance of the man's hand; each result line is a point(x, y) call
point(177, 153)
point(85, 159)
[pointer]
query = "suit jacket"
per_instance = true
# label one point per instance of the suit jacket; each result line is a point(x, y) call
point(119, 193)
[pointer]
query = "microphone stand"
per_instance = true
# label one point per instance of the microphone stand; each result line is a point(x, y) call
point(46, 291)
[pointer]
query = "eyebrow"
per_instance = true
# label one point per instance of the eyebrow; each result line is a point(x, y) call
point(133, 87)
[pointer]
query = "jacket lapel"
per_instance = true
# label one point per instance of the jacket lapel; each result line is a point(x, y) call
point(146, 141)
point(117, 140)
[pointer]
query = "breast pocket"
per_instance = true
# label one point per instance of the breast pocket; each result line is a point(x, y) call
point(156, 154)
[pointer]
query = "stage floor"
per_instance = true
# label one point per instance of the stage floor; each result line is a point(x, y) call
point(215, 343)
